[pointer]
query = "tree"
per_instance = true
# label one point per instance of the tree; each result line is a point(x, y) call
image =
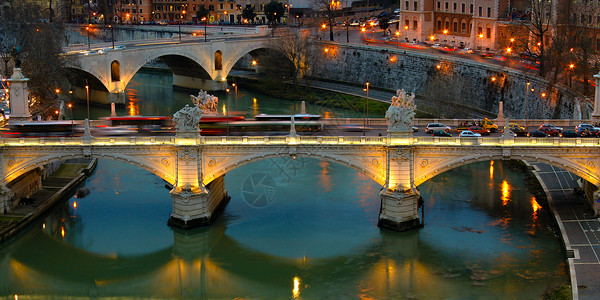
point(248, 13)
point(274, 11)
point(202, 13)
point(40, 51)
point(331, 9)
point(384, 23)
point(539, 27)
point(295, 49)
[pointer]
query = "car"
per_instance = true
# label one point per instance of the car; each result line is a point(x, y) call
point(550, 129)
point(354, 22)
point(586, 130)
point(466, 51)
point(442, 133)
point(163, 22)
point(436, 126)
point(479, 130)
point(537, 133)
point(517, 129)
point(120, 47)
point(469, 133)
point(569, 133)
point(415, 128)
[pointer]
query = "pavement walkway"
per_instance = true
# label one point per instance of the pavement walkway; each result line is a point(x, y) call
point(579, 228)
point(54, 187)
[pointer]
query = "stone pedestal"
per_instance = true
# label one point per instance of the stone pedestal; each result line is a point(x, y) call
point(501, 117)
point(399, 210)
point(19, 97)
point(197, 206)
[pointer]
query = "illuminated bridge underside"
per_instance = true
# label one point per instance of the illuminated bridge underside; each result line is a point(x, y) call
point(195, 167)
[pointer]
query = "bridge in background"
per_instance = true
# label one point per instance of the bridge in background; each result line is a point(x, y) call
point(196, 166)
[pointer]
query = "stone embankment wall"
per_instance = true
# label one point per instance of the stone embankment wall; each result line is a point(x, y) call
point(452, 80)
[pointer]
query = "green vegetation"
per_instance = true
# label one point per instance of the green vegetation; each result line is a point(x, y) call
point(562, 292)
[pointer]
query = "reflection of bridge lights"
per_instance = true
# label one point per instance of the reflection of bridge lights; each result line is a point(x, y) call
point(296, 290)
point(491, 169)
point(44, 225)
point(224, 109)
point(505, 192)
point(62, 232)
point(535, 206)
point(75, 204)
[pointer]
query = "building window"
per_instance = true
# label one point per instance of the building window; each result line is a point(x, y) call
point(231, 6)
point(454, 6)
point(439, 25)
point(415, 25)
point(488, 33)
point(489, 12)
point(463, 27)
point(480, 11)
point(455, 26)
point(406, 3)
point(446, 6)
point(462, 8)
point(220, 5)
point(415, 5)
point(471, 8)
point(439, 5)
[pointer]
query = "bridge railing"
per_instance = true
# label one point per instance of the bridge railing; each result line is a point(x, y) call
point(302, 140)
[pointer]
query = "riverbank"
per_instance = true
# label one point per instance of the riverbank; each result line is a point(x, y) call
point(60, 183)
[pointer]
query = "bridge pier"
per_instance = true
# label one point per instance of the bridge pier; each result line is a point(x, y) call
point(199, 83)
point(198, 206)
point(399, 209)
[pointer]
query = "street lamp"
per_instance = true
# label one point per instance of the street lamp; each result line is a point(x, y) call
point(180, 17)
point(87, 28)
point(527, 105)
point(112, 35)
point(571, 67)
point(366, 111)
point(446, 36)
point(235, 86)
point(87, 97)
point(227, 109)
point(205, 21)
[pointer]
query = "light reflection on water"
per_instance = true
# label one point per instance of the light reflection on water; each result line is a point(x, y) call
point(307, 243)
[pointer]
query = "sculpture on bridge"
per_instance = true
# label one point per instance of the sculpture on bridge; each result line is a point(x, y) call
point(401, 112)
point(187, 119)
point(206, 102)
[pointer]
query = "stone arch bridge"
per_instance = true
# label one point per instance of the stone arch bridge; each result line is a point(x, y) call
point(197, 65)
point(196, 166)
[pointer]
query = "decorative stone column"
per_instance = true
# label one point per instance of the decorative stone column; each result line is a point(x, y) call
point(400, 201)
point(18, 96)
point(193, 203)
point(596, 113)
point(501, 117)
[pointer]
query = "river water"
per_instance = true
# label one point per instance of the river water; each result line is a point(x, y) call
point(303, 228)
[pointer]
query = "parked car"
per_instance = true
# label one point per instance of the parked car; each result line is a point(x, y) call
point(537, 133)
point(586, 130)
point(120, 47)
point(569, 133)
point(442, 133)
point(479, 130)
point(550, 129)
point(436, 126)
point(469, 133)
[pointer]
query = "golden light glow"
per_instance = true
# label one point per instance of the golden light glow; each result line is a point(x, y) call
point(512, 40)
point(438, 66)
point(326, 50)
point(543, 95)
point(505, 192)
point(254, 63)
point(43, 225)
point(397, 33)
point(571, 66)
point(508, 50)
point(534, 205)
point(481, 35)
point(323, 26)
point(432, 38)
point(56, 112)
point(493, 78)
point(75, 204)
point(392, 59)
point(362, 29)
point(491, 169)
point(62, 232)
point(16, 297)
point(445, 31)
point(296, 290)
point(405, 27)
point(57, 91)
point(224, 109)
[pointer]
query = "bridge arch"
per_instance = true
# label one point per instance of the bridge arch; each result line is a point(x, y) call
point(427, 170)
point(21, 168)
point(251, 49)
point(373, 166)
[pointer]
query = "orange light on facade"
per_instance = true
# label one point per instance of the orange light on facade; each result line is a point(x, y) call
point(323, 25)
point(254, 63)
point(543, 95)
point(70, 105)
point(508, 50)
point(481, 35)
point(405, 27)
point(56, 112)
point(326, 50)
point(362, 29)
point(397, 33)
point(438, 66)
point(445, 31)
point(512, 40)
point(571, 66)
point(432, 38)
point(493, 78)
point(57, 91)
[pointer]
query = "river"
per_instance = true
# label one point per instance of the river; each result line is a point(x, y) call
point(301, 228)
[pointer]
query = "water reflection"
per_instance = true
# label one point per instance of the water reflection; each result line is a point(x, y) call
point(316, 243)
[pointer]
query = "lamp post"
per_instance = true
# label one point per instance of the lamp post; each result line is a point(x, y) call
point(87, 28)
point(571, 67)
point(112, 36)
point(366, 111)
point(227, 109)
point(205, 19)
point(180, 17)
point(87, 97)
point(527, 105)
point(235, 86)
